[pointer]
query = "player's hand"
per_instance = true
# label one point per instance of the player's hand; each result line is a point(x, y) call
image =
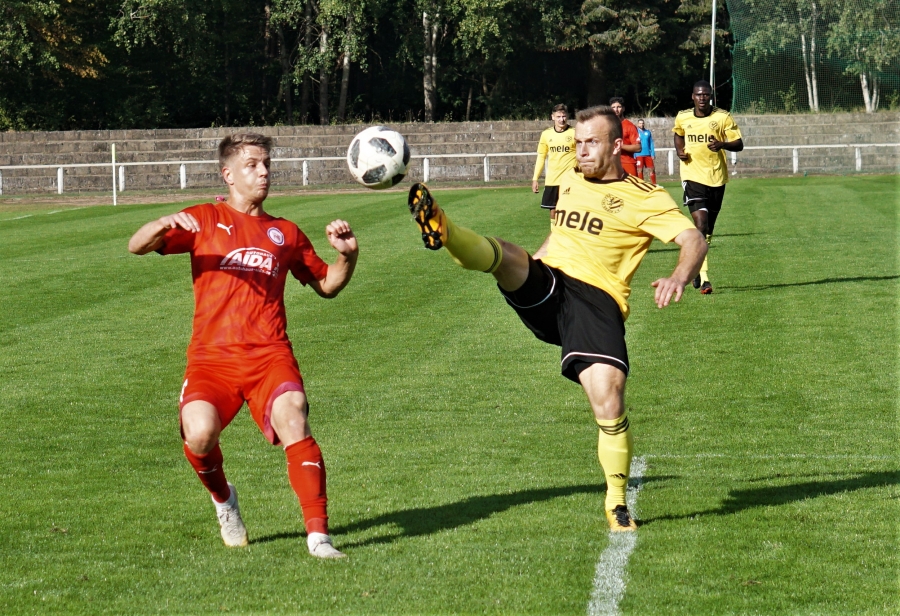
point(714, 144)
point(534, 186)
point(666, 288)
point(180, 220)
point(341, 237)
point(683, 156)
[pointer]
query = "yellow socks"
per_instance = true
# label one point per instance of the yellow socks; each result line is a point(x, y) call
point(704, 269)
point(615, 447)
point(468, 249)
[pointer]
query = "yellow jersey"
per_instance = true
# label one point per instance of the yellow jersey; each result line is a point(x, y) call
point(603, 229)
point(560, 148)
point(705, 166)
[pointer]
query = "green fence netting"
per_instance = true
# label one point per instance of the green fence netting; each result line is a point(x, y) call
point(794, 56)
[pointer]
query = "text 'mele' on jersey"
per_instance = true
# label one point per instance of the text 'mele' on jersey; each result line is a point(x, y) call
point(705, 166)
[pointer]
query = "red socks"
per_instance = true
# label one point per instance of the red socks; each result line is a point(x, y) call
point(306, 472)
point(209, 469)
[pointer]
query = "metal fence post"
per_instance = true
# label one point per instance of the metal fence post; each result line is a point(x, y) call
point(114, 173)
point(487, 169)
point(1, 182)
point(183, 176)
point(795, 156)
point(426, 168)
point(121, 178)
point(305, 173)
point(59, 180)
point(671, 162)
point(858, 155)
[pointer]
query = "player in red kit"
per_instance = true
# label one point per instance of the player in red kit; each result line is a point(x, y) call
point(631, 140)
point(239, 351)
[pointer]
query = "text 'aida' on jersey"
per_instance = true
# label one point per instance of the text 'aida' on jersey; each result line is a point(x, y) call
point(250, 260)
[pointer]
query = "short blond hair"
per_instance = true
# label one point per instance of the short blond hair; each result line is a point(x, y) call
point(605, 111)
point(232, 144)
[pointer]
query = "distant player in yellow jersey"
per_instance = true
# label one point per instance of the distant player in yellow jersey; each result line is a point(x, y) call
point(701, 136)
point(574, 292)
point(557, 144)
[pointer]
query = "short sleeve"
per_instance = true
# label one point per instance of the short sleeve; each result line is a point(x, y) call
point(678, 129)
point(662, 218)
point(178, 241)
point(732, 132)
point(630, 133)
point(306, 265)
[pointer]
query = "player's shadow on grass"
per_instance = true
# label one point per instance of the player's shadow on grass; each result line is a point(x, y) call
point(763, 287)
point(774, 496)
point(429, 520)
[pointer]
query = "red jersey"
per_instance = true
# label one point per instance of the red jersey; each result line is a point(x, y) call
point(630, 136)
point(239, 264)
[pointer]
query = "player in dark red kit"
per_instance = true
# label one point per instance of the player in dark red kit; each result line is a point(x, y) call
point(239, 351)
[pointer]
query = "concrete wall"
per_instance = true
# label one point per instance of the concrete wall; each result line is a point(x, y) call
point(475, 138)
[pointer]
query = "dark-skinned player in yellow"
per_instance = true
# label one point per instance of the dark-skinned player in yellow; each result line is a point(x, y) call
point(702, 135)
point(574, 291)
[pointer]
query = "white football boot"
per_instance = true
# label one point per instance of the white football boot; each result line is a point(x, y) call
point(319, 545)
point(234, 533)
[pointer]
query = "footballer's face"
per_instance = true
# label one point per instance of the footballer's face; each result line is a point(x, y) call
point(596, 150)
point(247, 173)
point(618, 108)
point(640, 124)
point(560, 119)
point(702, 99)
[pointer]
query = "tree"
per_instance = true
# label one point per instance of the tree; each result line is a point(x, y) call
point(867, 35)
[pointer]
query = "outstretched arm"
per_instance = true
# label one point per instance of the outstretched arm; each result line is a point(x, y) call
point(693, 250)
point(341, 238)
point(149, 237)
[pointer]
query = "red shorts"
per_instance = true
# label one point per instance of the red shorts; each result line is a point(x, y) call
point(629, 167)
point(256, 376)
point(644, 161)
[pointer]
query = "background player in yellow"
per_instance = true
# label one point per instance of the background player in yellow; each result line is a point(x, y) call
point(557, 144)
point(702, 134)
point(574, 292)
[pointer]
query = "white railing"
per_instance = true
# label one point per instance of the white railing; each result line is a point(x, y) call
point(118, 168)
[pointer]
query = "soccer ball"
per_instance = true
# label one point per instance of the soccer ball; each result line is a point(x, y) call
point(378, 157)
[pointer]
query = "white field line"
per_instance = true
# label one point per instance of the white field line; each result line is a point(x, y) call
point(765, 456)
point(611, 574)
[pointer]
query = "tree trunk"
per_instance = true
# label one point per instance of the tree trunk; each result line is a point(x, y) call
point(345, 74)
point(596, 80)
point(469, 103)
point(305, 88)
point(323, 78)
point(286, 87)
point(808, 55)
point(429, 79)
point(870, 96)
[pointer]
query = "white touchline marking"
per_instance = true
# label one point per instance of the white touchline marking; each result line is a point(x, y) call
point(610, 575)
point(764, 456)
point(16, 218)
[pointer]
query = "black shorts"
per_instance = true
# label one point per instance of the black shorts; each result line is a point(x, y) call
point(699, 196)
point(582, 319)
point(550, 197)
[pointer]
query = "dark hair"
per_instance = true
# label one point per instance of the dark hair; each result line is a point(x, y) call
point(703, 84)
point(617, 99)
point(584, 115)
point(232, 144)
point(560, 107)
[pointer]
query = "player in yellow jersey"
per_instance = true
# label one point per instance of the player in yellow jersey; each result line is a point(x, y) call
point(557, 144)
point(574, 291)
point(702, 134)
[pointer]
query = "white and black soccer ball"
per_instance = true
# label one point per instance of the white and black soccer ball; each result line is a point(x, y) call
point(378, 157)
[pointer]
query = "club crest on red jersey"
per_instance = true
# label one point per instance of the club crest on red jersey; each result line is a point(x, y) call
point(276, 236)
point(250, 260)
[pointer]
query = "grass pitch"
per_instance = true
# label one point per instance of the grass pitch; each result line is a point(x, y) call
point(462, 468)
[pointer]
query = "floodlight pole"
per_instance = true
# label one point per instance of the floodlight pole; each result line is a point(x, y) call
point(712, 53)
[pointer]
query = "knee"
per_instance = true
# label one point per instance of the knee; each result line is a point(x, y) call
point(200, 439)
point(607, 408)
point(289, 417)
